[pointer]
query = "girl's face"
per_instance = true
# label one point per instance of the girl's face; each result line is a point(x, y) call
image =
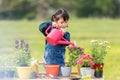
point(61, 23)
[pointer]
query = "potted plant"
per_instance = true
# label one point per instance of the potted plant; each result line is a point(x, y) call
point(99, 49)
point(86, 61)
point(73, 54)
point(2, 72)
point(2, 69)
point(10, 72)
point(2, 66)
point(23, 59)
point(10, 67)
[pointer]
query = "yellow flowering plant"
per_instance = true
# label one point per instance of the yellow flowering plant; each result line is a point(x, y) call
point(99, 49)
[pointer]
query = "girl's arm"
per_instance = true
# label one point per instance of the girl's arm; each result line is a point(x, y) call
point(67, 36)
point(44, 26)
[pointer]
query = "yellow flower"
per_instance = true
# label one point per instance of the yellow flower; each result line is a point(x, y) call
point(108, 47)
point(101, 43)
point(99, 49)
point(93, 41)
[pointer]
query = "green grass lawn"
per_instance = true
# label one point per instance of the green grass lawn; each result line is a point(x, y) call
point(82, 30)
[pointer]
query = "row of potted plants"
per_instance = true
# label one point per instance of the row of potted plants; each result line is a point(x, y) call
point(77, 56)
point(90, 64)
point(13, 65)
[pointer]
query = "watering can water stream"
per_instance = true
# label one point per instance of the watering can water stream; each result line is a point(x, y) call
point(55, 36)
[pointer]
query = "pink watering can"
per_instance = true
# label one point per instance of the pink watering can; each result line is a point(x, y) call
point(55, 36)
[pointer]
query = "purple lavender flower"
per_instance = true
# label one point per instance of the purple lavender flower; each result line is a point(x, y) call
point(16, 44)
point(22, 43)
point(27, 47)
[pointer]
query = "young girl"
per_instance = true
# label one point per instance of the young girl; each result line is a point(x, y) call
point(56, 54)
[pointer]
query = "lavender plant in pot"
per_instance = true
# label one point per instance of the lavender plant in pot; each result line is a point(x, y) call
point(99, 49)
point(73, 54)
point(23, 59)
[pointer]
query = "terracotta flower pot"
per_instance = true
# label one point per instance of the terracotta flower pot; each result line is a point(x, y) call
point(52, 70)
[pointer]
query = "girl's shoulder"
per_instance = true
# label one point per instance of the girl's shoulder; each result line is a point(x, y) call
point(47, 22)
point(67, 33)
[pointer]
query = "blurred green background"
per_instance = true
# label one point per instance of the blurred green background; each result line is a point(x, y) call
point(31, 9)
point(89, 20)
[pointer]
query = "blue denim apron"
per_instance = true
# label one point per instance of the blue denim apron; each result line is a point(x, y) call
point(55, 57)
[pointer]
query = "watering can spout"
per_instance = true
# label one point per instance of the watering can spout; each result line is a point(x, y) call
point(67, 42)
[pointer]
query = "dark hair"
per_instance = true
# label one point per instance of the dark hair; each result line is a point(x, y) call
point(60, 13)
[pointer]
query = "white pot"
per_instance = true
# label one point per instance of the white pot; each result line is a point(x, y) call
point(66, 71)
point(85, 71)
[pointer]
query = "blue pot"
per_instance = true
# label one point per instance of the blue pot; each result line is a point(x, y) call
point(10, 74)
point(2, 74)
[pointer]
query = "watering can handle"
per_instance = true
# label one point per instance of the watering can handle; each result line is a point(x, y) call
point(48, 29)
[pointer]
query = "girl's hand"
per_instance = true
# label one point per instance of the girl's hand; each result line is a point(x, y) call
point(54, 24)
point(63, 30)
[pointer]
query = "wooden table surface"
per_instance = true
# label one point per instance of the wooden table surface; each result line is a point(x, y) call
point(58, 78)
